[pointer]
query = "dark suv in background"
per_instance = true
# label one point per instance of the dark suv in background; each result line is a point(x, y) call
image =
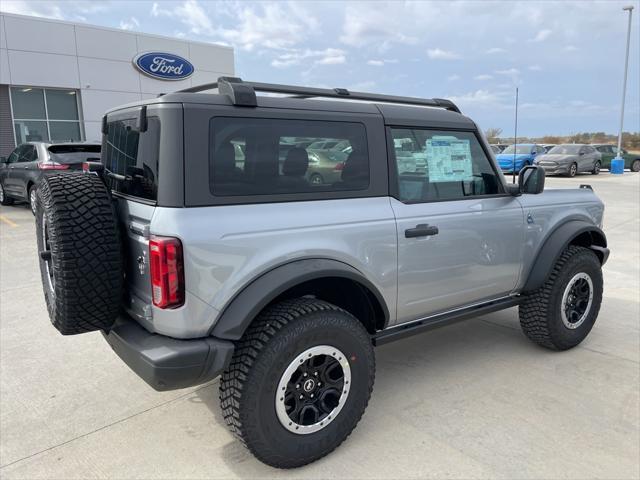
point(20, 173)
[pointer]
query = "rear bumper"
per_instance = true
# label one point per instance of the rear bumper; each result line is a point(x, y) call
point(166, 363)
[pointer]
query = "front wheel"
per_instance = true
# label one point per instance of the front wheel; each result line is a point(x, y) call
point(573, 170)
point(4, 199)
point(299, 382)
point(596, 169)
point(635, 166)
point(562, 312)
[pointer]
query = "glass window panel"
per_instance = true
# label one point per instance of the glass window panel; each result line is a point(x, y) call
point(28, 103)
point(30, 131)
point(64, 131)
point(61, 105)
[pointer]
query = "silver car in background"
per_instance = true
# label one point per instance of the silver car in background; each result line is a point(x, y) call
point(570, 159)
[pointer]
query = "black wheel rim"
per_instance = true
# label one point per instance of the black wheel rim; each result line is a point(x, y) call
point(313, 389)
point(576, 301)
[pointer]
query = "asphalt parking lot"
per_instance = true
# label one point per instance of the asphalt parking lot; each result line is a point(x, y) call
point(473, 400)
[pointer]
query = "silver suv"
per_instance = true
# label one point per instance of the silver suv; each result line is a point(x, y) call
point(200, 247)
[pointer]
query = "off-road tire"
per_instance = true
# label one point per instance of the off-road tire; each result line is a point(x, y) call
point(248, 386)
point(635, 166)
point(596, 168)
point(4, 198)
point(540, 313)
point(85, 253)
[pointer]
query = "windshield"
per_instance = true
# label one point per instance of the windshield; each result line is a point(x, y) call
point(565, 150)
point(74, 153)
point(522, 149)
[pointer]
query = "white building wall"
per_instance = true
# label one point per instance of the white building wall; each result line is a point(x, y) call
point(97, 61)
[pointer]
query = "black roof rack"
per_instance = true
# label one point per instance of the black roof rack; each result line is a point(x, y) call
point(244, 93)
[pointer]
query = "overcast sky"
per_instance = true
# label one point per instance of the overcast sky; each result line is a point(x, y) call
point(566, 57)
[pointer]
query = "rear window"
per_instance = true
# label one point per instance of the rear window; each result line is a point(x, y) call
point(74, 153)
point(133, 154)
point(267, 156)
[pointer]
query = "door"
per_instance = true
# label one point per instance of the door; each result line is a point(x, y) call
point(11, 183)
point(588, 158)
point(22, 170)
point(607, 152)
point(460, 236)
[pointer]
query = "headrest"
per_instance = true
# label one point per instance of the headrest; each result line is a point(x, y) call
point(296, 163)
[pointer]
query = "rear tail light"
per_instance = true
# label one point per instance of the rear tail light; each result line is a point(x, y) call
point(53, 166)
point(167, 272)
point(339, 167)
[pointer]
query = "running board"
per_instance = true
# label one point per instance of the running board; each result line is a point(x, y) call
point(441, 320)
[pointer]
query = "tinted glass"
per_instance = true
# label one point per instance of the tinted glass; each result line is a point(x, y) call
point(133, 154)
point(65, 131)
point(520, 149)
point(441, 165)
point(28, 103)
point(565, 150)
point(74, 153)
point(267, 157)
point(62, 105)
point(30, 131)
point(27, 154)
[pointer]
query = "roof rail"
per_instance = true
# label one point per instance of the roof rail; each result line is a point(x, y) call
point(244, 93)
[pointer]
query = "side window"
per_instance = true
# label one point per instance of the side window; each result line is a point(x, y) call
point(28, 154)
point(540, 149)
point(441, 165)
point(15, 155)
point(252, 156)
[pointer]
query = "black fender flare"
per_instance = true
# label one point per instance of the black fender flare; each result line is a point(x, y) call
point(251, 300)
point(557, 242)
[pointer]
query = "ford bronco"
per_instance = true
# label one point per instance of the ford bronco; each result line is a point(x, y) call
point(274, 240)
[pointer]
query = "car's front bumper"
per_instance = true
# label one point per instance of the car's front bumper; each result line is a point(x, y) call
point(553, 169)
point(167, 363)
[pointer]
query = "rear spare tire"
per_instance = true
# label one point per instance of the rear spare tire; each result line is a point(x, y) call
point(79, 252)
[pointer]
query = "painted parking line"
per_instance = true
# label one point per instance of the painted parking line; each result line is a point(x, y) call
point(7, 221)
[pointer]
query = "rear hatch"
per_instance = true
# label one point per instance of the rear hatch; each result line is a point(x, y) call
point(73, 154)
point(133, 154)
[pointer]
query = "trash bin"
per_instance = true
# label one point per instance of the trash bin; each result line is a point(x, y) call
point(617, 166)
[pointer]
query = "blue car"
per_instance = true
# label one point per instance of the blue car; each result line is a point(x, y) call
point(524, 154)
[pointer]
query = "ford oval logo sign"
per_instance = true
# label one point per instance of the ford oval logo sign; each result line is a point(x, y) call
point(164, 66)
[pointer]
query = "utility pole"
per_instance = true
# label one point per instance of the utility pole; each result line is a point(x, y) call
point(628, 8)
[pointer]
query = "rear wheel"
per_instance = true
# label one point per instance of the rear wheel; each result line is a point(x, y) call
point(299, 382)
point(316, 179)
point(4, 199)
point(32, 199)
point(573, 170)
point(596, 168)
point(635, 166)
point(562, 312)
point(79, 249)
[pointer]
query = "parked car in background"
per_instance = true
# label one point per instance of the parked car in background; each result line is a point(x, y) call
point(608, 152)
point(22, 170)
point(518, 155)
point(548, 146)
point(500, 146)
point(570, 159)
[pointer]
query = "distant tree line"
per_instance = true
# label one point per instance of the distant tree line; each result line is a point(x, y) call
point(630, 140)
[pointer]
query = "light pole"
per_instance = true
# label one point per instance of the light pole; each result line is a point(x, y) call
point(628, 8)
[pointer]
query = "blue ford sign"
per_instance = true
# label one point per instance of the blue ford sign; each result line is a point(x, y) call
point(164, 66)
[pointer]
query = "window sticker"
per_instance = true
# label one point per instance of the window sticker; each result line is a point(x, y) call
point(449, 160)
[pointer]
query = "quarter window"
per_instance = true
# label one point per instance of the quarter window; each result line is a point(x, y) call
point(441, 165)
point(45, 115)
point(271, 157)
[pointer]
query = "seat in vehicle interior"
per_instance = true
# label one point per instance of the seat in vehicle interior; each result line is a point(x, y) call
point(224, 164)
point(355, 173)
point(294, 168)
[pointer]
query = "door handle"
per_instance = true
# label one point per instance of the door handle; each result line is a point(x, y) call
point(422, 230)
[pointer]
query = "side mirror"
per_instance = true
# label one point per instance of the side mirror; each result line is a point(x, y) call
point(531, 179)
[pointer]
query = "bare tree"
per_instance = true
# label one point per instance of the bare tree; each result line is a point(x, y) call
point(493, 134)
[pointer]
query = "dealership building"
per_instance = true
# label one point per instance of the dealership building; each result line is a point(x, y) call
point(58, 78)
